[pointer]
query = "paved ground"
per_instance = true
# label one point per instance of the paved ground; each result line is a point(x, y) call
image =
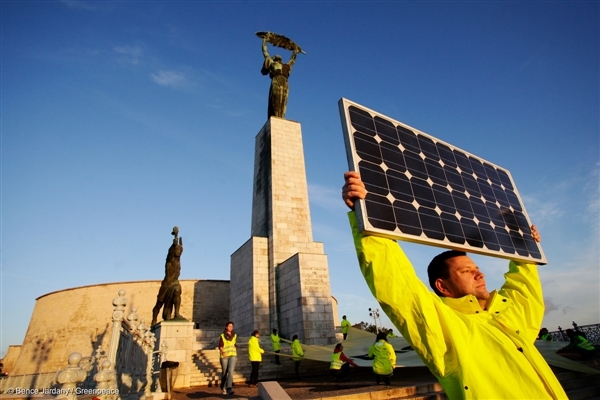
point(315, 387)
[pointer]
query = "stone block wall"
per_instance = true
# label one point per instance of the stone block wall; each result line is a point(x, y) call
point(10, 359)
point(79, 319)
point(305, 299)
point(249, 305)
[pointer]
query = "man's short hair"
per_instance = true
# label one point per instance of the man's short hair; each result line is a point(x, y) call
point(438, 267)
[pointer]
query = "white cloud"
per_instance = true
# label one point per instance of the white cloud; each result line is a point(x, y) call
point(326, 197)
point(592, 190)
point(129, 54)
point(550, 306)
point(572, 290)
point(168, 78)
point(543, 210)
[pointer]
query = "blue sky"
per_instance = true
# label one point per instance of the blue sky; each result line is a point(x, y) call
point(123, 119)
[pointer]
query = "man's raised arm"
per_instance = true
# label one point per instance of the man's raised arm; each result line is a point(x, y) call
point(403, 297)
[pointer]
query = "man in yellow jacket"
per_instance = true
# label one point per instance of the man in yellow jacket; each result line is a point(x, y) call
point(276, 344)
point(255, 356)
point(297, 354)
point(345, 326)
point(480, 345)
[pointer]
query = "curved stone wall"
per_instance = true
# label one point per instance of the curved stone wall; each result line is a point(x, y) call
point(79, 319)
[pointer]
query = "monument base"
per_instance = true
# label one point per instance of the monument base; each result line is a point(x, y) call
point(179, 340)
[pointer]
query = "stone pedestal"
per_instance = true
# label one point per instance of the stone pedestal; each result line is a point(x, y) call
point(279, 277)
point(179, 337)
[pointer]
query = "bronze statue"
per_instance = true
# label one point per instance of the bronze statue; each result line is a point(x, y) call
point(278, 71)
point(169, 293)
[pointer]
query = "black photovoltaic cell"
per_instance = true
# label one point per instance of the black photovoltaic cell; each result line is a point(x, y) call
point(424, 190)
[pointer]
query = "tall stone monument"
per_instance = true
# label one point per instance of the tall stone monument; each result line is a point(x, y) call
point(279, 277)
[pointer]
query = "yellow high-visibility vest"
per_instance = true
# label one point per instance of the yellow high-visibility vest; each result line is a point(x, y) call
point(229, 346)
point(336, 361)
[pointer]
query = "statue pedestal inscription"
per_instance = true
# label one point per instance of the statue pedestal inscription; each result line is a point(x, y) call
point(279, 277)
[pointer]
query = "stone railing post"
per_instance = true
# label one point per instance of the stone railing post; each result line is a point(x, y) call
point(148, 347)
point(117, 318)
point(106, 379)
point(70, 377)
point(162, 356)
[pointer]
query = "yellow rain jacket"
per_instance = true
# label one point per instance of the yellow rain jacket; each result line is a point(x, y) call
point(474, 353)
point(345, 325)
point(385, 357)
point(275, 342)
point(297, 351)
point(254, 350)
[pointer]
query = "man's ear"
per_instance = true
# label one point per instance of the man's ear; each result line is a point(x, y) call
point(442, 286)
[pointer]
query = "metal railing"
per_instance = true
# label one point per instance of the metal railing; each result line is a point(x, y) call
point(591, 332)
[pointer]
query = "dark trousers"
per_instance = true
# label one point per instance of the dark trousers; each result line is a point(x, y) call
point(277, 357)
point(585, 354)
point(341, 373)
point(297, 368)
point(386, 378)
point(254, 373)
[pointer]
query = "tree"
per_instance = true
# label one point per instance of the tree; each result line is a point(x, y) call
point(372, 328)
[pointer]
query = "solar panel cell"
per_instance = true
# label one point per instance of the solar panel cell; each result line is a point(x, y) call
point(415, 164)
point(408, 218)
point(386, 131)
point(399, 186)
point(431, 223)
point(367, 148)
point(381, 212)
point(374, 178)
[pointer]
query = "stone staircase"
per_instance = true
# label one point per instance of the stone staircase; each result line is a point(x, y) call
point(208, 366)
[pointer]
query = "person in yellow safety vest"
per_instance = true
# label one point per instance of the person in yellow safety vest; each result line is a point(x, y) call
point(228, 352)
point(545, 335)
point(340, 364)
point(390, 334)
point(255, 356)
point(579, 344)
point(479, 345)
point(297, 354)
point(384, 358)
point(276, 344)
point(345, 325)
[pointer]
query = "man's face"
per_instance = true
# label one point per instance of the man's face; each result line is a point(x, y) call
point(465, 278)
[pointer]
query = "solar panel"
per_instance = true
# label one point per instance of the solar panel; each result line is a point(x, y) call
point(421, 189)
